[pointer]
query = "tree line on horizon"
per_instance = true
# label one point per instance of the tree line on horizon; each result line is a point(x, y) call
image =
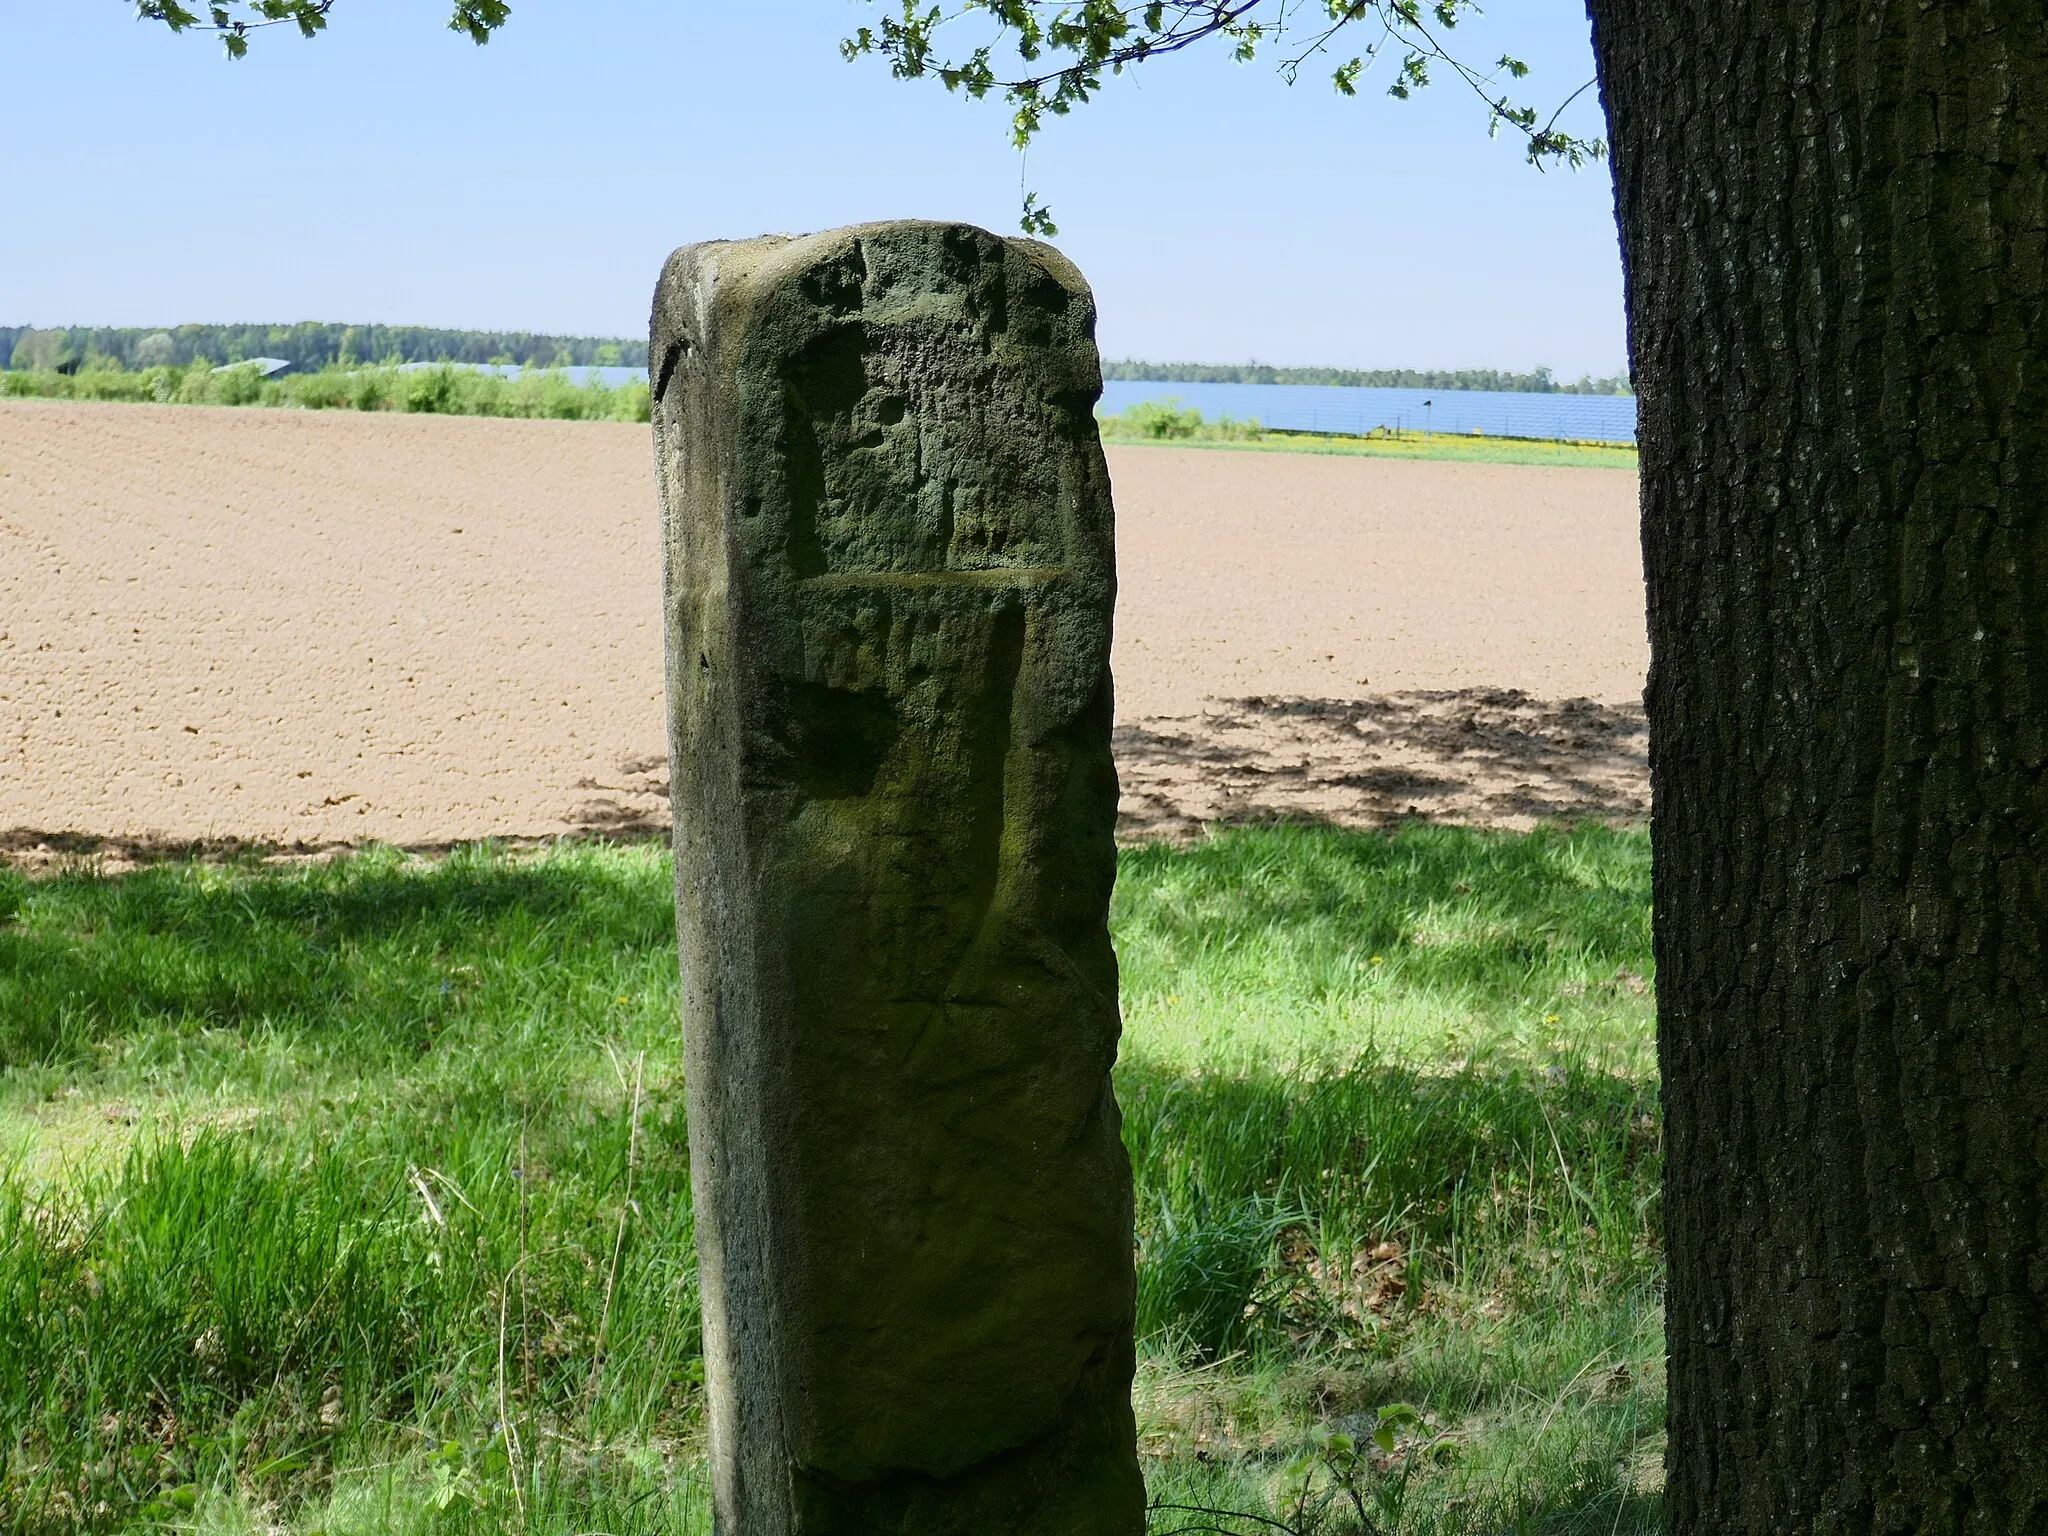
point(308, 344)
point(1539, 382)
point(317, 344)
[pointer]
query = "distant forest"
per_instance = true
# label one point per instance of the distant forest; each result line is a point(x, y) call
point(309, 344)
point(1541, 382)
point(314, 344)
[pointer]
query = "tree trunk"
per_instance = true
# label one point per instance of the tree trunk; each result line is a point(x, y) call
point(1832, 218)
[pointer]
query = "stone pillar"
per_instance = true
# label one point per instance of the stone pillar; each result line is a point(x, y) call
point(888, 555)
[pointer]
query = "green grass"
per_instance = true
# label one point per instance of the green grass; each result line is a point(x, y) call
point(1168, 423)
point(353, 1196)
point(446, 390)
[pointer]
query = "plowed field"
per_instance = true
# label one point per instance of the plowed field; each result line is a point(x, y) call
point(309, 629)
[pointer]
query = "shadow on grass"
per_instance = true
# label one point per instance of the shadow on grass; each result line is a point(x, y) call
point(1478, 915)
point(1603, 1514)
point(273, 1308)
point(1480, 1244)
point(1308, 1208)
point(376, 948)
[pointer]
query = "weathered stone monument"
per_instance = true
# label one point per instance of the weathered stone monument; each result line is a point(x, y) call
point(889, 575)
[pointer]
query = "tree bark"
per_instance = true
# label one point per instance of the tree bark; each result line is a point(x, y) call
point(1832, 221)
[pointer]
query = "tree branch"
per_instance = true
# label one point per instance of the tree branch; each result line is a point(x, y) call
point(1084, 40)
point(234, 20)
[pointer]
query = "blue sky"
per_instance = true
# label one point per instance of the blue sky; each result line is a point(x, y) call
point(392, 171)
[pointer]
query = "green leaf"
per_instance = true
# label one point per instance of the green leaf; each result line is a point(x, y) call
point(1036, 219)
point(478, 19)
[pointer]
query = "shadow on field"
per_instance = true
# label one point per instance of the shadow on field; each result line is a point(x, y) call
point(1472, 757)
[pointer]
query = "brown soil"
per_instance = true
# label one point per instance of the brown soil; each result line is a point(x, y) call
point(305, 629)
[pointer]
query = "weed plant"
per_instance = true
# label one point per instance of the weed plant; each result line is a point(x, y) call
point(1168, 421)
point(353, 1196)
point(446, 390)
